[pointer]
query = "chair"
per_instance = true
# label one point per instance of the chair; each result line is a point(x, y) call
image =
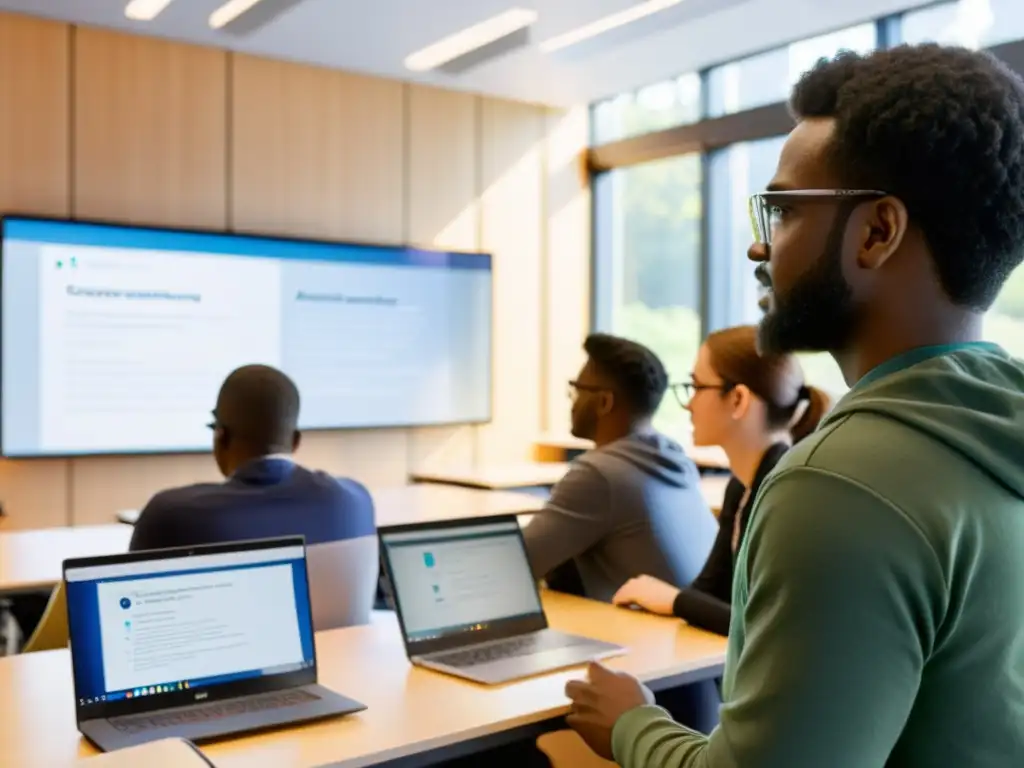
point(52, 631)
point(566, 750)
point(343, 581)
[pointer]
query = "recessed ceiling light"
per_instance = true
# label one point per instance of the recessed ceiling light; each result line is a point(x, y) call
point(230, 11)
point(145, 10)
point(606, 24)
point(470, 38)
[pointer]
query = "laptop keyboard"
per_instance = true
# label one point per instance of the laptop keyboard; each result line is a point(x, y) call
point(515, 647)
point(132, 724)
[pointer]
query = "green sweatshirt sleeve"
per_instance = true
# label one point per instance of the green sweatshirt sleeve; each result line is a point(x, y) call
point(844, 599)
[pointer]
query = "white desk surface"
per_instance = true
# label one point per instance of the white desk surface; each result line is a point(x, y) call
point(33, 559)
point(410, 710)
point(508, 477)
point(498, 477)
point(708, 457)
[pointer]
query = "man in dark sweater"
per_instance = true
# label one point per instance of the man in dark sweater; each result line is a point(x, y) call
point(633, 504)
point(266, 493)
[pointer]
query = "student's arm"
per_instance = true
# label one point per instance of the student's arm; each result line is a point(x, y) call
point(704, 611)
point(575, 517)
point(842, 613)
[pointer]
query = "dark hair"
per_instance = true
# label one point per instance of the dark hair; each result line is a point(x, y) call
point(942, 129)
point(637, 373)
point(777, 379)
point(260, 406)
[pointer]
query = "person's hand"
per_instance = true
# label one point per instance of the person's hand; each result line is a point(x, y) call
point(649, 593)
point(599, 701)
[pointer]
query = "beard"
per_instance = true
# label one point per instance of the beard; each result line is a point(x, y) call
point(584, 423)
point(817, 314)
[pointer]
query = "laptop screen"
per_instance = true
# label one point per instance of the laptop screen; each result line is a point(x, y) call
point(455, 579)
point(156, 626)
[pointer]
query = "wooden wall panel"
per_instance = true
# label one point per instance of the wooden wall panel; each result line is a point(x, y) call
point(316, 152)
point(150, 146)
point(567, 261)
point(150, 138)
point(512, 228)
point(34, 160)
point(443, 212)
point(320, 153)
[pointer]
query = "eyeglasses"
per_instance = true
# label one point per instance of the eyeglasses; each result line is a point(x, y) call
point(685, 391)
point(767, 208)
point(574, 388)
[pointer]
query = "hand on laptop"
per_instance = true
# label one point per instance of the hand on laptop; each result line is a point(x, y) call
point(649, 593)
point(599, 701)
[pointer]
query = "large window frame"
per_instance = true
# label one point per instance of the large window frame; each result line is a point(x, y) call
point(707, 136)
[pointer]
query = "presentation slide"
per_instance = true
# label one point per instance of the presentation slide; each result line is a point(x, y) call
point(460, 580)
point(199, 625)
point(116, 339)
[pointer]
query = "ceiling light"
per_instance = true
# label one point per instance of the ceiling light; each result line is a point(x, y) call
point(469, 39)
point(230, 11)
point(145, 10)
point(606, 24)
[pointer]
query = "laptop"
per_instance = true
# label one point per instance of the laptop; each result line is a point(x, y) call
point(468, 605)
point(194, 643)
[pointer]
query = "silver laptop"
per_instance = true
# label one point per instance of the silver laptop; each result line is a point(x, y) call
point(195, 643)
point(468, 605)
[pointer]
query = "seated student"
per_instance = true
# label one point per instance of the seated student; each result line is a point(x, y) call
point(633, 504)
point(755, 407)
point(266, 493)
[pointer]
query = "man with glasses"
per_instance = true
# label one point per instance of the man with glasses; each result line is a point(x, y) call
point(266, 493)
point(633, 504)
point(880, 589)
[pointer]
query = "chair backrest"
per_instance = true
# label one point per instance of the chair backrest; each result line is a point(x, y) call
point(52, 632)
point(343, 581)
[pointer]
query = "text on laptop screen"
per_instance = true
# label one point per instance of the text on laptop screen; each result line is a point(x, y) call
point(452, 579)
point(156, 626)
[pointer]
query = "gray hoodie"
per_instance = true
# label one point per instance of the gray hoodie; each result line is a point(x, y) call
point(631, 507)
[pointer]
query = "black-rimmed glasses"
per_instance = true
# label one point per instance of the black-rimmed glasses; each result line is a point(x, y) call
point(685, 391)
point(766, 208)
point(574, 388)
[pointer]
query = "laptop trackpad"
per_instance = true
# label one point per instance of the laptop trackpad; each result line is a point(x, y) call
point(532, 664)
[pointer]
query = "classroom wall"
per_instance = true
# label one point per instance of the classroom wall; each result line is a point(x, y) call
point(100, 124)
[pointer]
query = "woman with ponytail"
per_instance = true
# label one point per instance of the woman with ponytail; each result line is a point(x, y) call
point(755, 408)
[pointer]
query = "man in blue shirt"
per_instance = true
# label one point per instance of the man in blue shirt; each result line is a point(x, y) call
point(266, 494)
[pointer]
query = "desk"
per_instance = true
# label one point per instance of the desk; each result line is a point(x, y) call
point(705, 457)
point(32, 560)
point(541, 474)
point(411, 711)
point(499, 477)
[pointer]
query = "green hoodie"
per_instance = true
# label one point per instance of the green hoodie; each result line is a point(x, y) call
point(880, 587)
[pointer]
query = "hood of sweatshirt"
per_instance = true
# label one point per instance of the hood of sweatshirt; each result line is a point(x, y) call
point(969, 397)
point(653, 454)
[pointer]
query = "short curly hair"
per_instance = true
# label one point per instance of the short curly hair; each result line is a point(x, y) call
point(942, 129)
point(637, 373)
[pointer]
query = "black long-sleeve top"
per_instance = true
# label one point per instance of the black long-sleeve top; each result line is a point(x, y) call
point(707, 602)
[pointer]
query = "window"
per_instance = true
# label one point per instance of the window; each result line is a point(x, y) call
point(1004, 324)
point(652, 108)
point(648, 275)
point(733, 174)
point(768, 77)
point(972, 23)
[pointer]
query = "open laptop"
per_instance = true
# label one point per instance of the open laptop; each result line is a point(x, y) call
point(468, 605)
point(195, 643)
